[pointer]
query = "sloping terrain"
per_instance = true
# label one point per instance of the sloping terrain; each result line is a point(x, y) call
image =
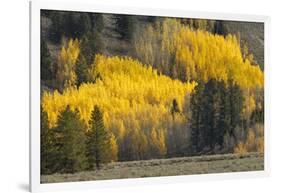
point(252, 34)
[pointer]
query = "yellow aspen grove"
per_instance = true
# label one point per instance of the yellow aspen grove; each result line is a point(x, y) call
point(132, 96)
point(158, 141)
point(113, 148)
point(209, 56)
point(254, 141)
point(126, 89)
point(240, 149)
point(67, 59)
point(190, 54)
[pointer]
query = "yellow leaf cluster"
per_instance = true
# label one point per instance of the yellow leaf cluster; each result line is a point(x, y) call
point(67, 59)
point(206, 56)
point(113, 148)
point(253, 143)
point(158, 141)
point(240, 149)
point(131, 95)
point(190, 54)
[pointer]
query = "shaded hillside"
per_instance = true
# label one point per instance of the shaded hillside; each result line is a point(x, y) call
point(252, 34)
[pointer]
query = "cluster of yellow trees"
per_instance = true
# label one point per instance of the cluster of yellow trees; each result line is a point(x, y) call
point(189, 54)
point(136, 97)
point(67, 61)
point(254, 141)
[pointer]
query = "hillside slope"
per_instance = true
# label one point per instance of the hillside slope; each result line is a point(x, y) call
point(252, 34)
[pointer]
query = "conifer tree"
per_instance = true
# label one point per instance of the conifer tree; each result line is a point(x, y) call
point(211, 114)
point(97, 22)
point(57, 28)
point(236, 108)
point(46, 72)
point(69, 25)
point(47, 155)
point(175, 108)
point(98, 143)
point(197, 117)
point(216, 113)
point(224, 117)
point(81, 70)
point(125, 26)
point(84, 24)
point(91, 44)
point(70, 143)
point(219, 28)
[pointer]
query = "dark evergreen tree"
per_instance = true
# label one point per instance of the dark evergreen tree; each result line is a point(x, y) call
point(84, 24)
point(216, 111)
point(76, 24)
point(70, 143)
point(98, 143)
point(69, 24)
point(211, 114)
point(175, 108)
point(57, 26)
point(45, 60)
point(91, 44)
point(258, 114)
point(47, 154)
point(152, 19)
point(125, 26)
point(81, 70)
point(224, 118)
point(219, 28)
point(97, 22)
point(236, 108)
point(196, 117)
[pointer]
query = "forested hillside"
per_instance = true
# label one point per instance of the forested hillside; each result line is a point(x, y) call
point(121, 88)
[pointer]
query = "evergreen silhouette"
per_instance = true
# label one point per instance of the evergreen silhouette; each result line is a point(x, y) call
point(98, 143)
point(47, 154)
point(46, 72)
point(70, 143)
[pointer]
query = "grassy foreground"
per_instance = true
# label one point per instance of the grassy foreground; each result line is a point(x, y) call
point(166, 167)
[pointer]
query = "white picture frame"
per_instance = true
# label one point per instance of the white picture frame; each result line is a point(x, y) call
point(36, 6)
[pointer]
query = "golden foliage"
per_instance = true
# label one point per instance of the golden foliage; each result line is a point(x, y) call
point(67, 59)
point(132, 96)
point(211, 56)
point(253, 143)
point(113, 148)
point(154, 45)
point(196, 54)
point(249, 104)
point(240, 149)
point(158, 141)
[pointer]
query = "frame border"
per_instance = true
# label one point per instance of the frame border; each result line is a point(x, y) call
point(34, 97)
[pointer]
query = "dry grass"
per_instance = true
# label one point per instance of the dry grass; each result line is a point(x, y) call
point(166, 167)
